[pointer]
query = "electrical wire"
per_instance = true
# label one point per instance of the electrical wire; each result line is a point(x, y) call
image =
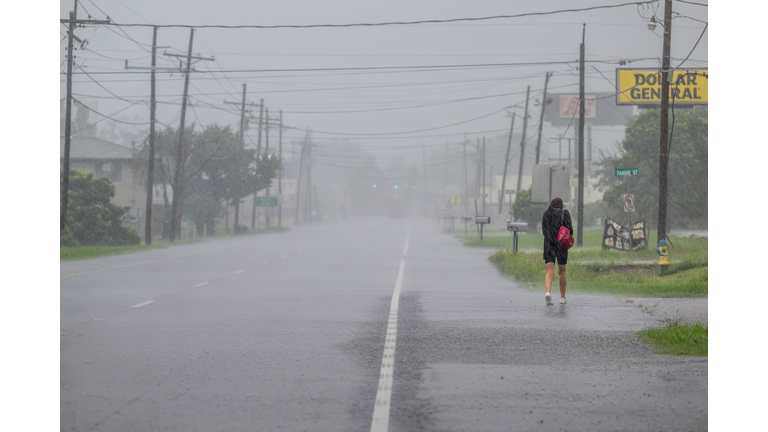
point(694, 46)
point(381, 24)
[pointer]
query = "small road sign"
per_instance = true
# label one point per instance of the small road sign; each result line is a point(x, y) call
point(629, 202)
point(484, 195)
point(455, 200)
point(265, 201)
point(627, 172)
point(509, 191)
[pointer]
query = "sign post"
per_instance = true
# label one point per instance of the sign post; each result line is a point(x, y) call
point(510, 192)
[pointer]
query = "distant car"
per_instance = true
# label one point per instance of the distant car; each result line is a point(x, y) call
point(395, 214)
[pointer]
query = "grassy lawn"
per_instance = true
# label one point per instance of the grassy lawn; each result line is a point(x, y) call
point(677, 339)
point(594, 270)
point(88, 252)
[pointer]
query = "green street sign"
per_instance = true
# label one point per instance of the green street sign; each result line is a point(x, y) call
point(627, 172)
point(509, 191)
point(485, 195)
point(265, 201)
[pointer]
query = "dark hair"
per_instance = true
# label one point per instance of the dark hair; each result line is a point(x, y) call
point(555, 204)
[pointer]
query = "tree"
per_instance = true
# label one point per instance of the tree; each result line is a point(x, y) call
point(524, 209)
point(687, 181)
point(92, 218)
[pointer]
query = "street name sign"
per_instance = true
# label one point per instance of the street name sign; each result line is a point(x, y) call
point(265, 201)
point(627, 172)
point(509, 191)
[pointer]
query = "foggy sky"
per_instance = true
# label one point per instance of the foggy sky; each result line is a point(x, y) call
point(387, 112)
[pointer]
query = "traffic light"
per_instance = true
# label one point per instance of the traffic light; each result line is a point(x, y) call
point(395, 186)
point(374, 185)
point(413, 186)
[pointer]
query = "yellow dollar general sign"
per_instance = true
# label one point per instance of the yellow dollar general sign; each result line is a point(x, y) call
point(643, 87)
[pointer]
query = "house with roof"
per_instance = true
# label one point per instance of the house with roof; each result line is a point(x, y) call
point(115, 162)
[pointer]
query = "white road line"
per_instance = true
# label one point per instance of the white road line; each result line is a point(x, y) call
point(405, 251)
point(143, 304)
point(239, 271)
point(265, 263)
point(284, 256)
point(380, 422)
point(201, 284)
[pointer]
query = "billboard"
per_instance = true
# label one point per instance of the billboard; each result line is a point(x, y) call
point(643, 87)
point(599, 108)
point(568, 106)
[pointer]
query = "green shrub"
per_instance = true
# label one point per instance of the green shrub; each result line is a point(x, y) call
point(91, 218)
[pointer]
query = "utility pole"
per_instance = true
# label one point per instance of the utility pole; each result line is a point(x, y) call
point(522, 143)
point(580, 217)
point(178, 188)
point(309, 181)
point(280, 175)
point(71, 22)
point(661, 232)
point(465, 198)
point(254, 213)
point(151, 163)
point(483, 173)
point(506, 159)
point(541, 119)
point(298, 181)
point(424, 157)
point(266, 154)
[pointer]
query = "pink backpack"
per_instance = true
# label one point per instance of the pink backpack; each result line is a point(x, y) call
point(564, 236)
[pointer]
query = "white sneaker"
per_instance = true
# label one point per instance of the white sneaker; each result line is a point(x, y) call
point(562, 300)
point(548, 298)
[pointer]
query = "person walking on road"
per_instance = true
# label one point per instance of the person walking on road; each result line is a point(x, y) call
point(551, 221)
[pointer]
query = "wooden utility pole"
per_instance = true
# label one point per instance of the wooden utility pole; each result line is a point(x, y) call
point(280, 175)
point(254, 213)
point(483, 170)
point(298, 180)
point(661, 232)
point(506, 161)
point(522, 142)
point(465, 198)
point(71, 23)
point(178, 173)
point(178, 176)
point(541, 119)
point(151, 163)
point(266, 155)
point(580, 217)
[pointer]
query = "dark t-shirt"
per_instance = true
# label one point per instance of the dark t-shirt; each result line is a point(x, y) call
point(550, 225)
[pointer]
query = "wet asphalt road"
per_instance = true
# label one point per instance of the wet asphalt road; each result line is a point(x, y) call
point(286, 332)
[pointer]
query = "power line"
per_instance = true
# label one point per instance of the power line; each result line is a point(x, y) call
point(391, 23)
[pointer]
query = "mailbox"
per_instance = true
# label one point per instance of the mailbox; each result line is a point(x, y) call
point(517, 226)
point(482, 219)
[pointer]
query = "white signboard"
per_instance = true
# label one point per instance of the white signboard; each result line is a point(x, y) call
point(569, 106)
point(550, 181)
point(629, 202)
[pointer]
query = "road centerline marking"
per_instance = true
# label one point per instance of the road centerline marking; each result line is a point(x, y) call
point(239, 271)
point(380, 421)
point(201, 284)
point(143, 304)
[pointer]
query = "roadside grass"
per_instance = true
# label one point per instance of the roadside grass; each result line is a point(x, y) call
point(89, 252)
point(606, 278)
point(688, 339)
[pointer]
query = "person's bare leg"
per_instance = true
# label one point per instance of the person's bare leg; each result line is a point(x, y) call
point(550, 275)
point(561, 272)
